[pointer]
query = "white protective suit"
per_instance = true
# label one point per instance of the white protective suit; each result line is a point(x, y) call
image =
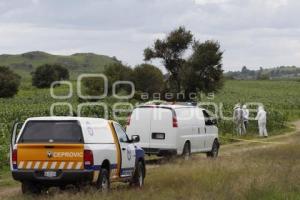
point(245, 116)
point(262, 122)
point(238, 120)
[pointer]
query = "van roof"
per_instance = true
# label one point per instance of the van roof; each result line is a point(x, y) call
point(64, 118)
point(174, 106)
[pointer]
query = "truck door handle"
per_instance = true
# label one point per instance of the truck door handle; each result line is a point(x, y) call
point(123, 149)
point(198, 130)
point(49, 147)
point(205, 129)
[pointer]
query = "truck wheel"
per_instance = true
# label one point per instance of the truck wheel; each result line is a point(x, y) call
point(214, 151)
point(63, 187)
point(103, 181)
point(30, 188)
point(139, 175)
point(186, 153)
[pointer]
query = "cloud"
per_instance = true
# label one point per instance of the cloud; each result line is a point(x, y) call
point(203, 2)
point(251, 32)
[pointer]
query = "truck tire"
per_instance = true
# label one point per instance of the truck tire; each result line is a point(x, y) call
point(103, 182)
point(30, 188)
point(186, 153)
point(139, 175)
point(214, 150)
point(63, 187)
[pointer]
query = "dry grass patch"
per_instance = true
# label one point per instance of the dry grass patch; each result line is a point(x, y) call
point(266, 173)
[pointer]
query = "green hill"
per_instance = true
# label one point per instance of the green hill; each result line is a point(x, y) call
point(25, 63)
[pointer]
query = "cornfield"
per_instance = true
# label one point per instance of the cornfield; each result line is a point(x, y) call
point(280, 98)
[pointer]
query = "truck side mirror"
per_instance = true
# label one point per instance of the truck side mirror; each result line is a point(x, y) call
point(214, 121)
point(135, 138)
point(210, 122)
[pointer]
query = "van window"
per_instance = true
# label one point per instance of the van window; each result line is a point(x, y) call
point(207, 118)
point(52, 132)
point(206, 115)
point(120, 133)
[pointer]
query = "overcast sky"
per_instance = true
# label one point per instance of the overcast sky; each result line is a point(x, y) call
point(251, 32)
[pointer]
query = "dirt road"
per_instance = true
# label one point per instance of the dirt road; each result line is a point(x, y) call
point(278, 140)
point(6, 192)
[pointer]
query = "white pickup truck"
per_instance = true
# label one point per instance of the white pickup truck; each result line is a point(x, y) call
point(57, 151)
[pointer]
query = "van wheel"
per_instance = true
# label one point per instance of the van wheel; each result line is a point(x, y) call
point(30, 188)
point(186, 153)
point(139, 175)
point(103, 182)
point(214, 151)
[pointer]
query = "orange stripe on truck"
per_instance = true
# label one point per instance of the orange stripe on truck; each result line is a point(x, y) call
point(45, 165)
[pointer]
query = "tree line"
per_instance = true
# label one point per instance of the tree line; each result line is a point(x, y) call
point(200, 71)
point(264, 74)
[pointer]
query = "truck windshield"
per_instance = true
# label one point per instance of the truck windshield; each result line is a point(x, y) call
point(52, 132)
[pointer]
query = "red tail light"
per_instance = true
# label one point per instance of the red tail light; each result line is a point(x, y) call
point(14, 157)
point(88, 158)
point(175, 124)
point(128, 120)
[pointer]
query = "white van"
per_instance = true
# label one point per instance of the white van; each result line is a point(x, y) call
point(174, 129)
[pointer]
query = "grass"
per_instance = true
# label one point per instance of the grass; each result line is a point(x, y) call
point(6, 179)
point(280, 96)
point(281, 99)
point(269, 172)
point(230, 137)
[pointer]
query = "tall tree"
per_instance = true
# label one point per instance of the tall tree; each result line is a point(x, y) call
point(171, 51)
point(148, 78)
point(203, 71)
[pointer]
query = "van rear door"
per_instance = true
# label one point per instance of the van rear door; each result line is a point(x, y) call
point(140, 124)
point(51, 145)
point(163, 134)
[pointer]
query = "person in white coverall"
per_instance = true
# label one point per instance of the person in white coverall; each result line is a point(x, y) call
point(245, 117)
point(238, 119)
point(262, 122)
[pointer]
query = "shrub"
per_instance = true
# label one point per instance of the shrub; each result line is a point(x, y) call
point(9, 82)
point(94, 86)
point(148, 79)
point(46, 74)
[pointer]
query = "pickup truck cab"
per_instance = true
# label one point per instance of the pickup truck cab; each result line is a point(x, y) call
point(58, 151)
